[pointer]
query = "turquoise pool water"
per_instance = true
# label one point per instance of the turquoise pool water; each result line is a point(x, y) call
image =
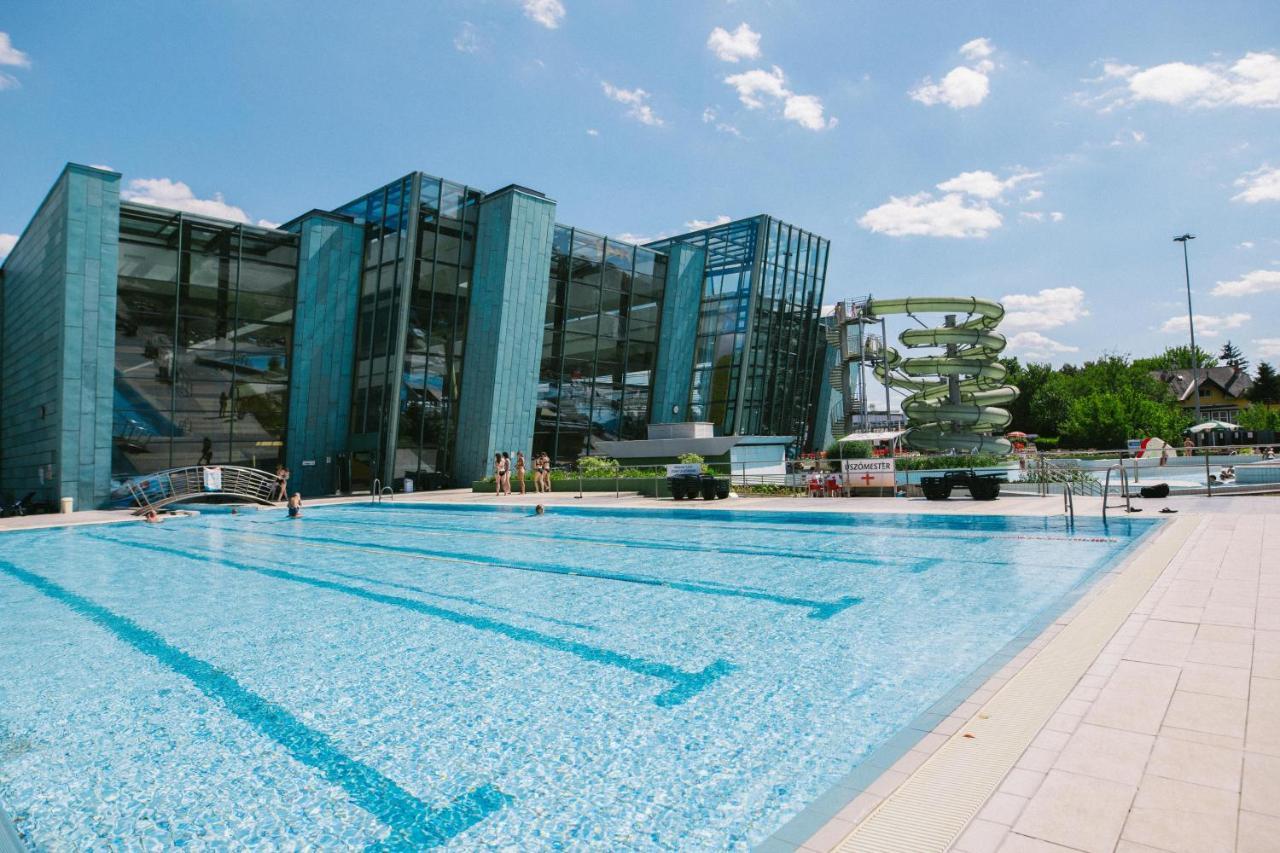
point(405, 677)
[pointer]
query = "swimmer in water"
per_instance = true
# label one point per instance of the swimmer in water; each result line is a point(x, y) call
point(539, 510)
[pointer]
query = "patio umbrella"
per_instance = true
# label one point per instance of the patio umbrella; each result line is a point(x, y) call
point(1015, 434)
point(1210, 425)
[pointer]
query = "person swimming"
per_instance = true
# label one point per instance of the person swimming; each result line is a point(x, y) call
point(539, 510)
point(295, 505)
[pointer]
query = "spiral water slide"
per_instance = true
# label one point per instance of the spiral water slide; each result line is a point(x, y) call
point(955, 397)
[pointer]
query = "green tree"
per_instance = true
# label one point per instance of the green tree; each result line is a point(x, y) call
point(1266, 385)
point(1028, 379)
point(1175, 358)
point(1259, 417)
point(1232, 357)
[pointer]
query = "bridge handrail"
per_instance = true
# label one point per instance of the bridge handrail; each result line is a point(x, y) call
point(153, 491)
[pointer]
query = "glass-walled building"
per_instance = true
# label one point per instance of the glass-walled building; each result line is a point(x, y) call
point(420, 239)
point(203, 325)
point(757, 329)
point(600, 342)
point(407, 335)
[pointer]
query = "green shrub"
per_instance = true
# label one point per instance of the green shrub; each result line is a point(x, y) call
point(1047, 442)
point(766, 489)
point(592, 467)
point(935, 463)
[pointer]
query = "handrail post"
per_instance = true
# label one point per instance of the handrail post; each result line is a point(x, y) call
point(1208, 483)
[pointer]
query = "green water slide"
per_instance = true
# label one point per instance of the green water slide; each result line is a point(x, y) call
point(955, 398)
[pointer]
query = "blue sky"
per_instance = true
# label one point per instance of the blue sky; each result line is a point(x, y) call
point(996, 149)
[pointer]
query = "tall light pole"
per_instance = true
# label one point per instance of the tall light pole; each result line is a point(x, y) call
point(1191, 322)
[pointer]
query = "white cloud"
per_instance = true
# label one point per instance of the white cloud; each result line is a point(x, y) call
point(742, 43)
point(711, 116)
point(101, 166)
point(1267, 347)
point(964, 210)
point(1127, 137)
point(984, 184)
point(757, 86)
point(1251, 81)
point(1036, 345)
point(10, 55)
point(923, 215)
point(638, 239)
point(979, 48)
point(1246, 244)
point(549, 13)
point(1047, 309)
point(7, 242)
point(1262, 184)
point(637, 101)
point(591, 131)
point(1057, 215)
point(267, 223)
point(1251, 283)
point(699, 224)
point(175, 195)
point(468, 38)
point(1034, 216)
point(963, 86)
point(1207, 325)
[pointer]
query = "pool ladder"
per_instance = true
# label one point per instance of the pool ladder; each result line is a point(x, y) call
point(1124, 491)
point(379, 491)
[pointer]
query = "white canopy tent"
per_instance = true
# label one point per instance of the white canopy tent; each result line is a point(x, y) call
point(882, 435)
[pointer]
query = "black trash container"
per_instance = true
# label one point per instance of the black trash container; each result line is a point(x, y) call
point(722, 489)
point(707, 485)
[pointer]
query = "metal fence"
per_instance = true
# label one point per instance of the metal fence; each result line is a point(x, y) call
point(1199, 471)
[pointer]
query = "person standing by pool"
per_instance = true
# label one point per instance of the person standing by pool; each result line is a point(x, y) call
point(295, 505)
point(520, 469)
point(206, 452)
point(497, 474)
point(506, 473)
point(282, 484)
point(543, 469)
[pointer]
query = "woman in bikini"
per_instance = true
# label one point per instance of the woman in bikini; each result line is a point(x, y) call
point(497, 474)
point(520, 469)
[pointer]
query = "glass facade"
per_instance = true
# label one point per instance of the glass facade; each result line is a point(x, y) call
point(600, 343)
point(204, 315)
point(420, 235)
point(778, 397)
point(754, 357)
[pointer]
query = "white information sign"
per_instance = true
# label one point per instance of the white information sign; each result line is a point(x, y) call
point(681, 469)
point(212, 479)
point(869, 473)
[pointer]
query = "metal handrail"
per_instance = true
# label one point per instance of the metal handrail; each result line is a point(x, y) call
point(155, 491)
point(375, 491)
point(1124, 490)
point(386, 492)
point(1069, 503)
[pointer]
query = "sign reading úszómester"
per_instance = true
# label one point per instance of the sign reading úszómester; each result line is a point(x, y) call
point(869, 473)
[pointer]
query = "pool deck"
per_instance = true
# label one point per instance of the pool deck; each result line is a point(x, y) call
point(1146, 717)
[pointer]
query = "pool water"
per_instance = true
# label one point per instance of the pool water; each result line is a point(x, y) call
point(402, 677)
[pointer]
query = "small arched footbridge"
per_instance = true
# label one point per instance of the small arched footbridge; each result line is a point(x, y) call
point(196, 482)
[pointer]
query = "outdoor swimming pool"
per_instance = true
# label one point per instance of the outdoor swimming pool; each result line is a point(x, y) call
point(407, 676)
